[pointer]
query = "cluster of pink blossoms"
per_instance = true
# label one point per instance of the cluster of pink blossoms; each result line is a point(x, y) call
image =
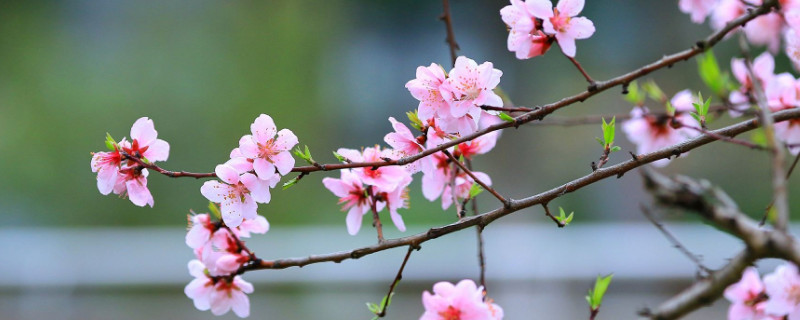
point(220, 253)
point(777, 297)
point(782, 92)
point(463, 301)
point(535, 24)
point(652, 132)
point(453, 101)
point(763, 30)
point(118, 173)
point(254, 167)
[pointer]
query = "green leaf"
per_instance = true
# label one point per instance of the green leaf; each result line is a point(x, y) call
point(563, 218)
point(110, 143)
point(710, 73)
point(413, 116)
point(374, 308)
point(387, 300)
point(600, 141)
point(214, 210)
point(615, 148)
point(758, 137)
point(695, 116)
point(670, 109)
point(635, 96)
point(339, 157)
point(595, 297)
point(653, 91)
point(305, 155)
point(475, 190)
point(608, 131)
point(290, 183)
point(506, 117)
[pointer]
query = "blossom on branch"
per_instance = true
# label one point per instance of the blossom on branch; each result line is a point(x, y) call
point(525, 35)
point(562, 23)
point(463, 301)
point(783, 289)
point(239, 194)
point(219, 295)
point(269, 154)
point(128, 178)
point(747, 297)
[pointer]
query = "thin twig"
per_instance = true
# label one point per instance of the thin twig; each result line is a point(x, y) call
point(583, 72)
point(507, 109)
point(376, 220)
point(723, 138)
point(173, 174)
point(451, 37)
point(559, 223)
point(397, 279)
point(780, 197)
point(479, 233)
point(502, 199)
point(674, 241)
point(769, 207)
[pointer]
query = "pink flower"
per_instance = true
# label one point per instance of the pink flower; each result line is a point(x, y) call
point(222, 254)
point(726, 11)
point(132, 182)
point(562, 22)
point(783, 289)
point(463, 183)
point(479, 145)
point(425, 88)
point(199, 289)
point(200, 229)
point(436, 176)
point(239, 194)
point(763, 68)
point(651, 133)
point(765, 30)
point(353, 195)
point(221, 295)
point(469, 87)
point(464, 301)
point(106, 164)
point(268, 153)
point(258, 225)
point(404, 143)
point(525, 36)
point(793, 47)
point(144, 143)
point(747, 297)
point(395, 199)
point(385, 177)
point(231, 296)
point(699, 9)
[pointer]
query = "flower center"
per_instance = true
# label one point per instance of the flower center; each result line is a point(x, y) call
point(450, 314)
point(559, 21)
point(266, 150)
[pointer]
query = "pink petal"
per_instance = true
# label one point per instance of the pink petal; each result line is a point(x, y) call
point(259, 189)
point(580, 28)
point(138, 192)
point(106, 179)
point(284, 162)
point(158, 151)
point(232, 211)
point(143, 131)
point(397, 220)
point(350, 154)
point(249, 207)
point(215, 191)
point(570, 7)
point(197, 236)
point(240, 304)
point(227, 173)
point(244, 286)
point(263, 167)
point(220, 302)
point(241, 164)
point(199, 291)
point(567, 44)
point(286, 140)
point(258, 225)
point(336, 186)
point(353, 220)
point(248, 147)
point(263, 129)
point(542, 9)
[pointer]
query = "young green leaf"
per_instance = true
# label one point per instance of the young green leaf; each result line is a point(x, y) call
point(634, 96)
point(413, 116)
point(110, 143)
point(608, 131)
point(214, 210)
point(563, 218)
point(506, 117)
point(615, 148)
point(290, 183)
point(670, 109)
point(600, 141)
point(710, 73)
point(475, 190)
point(305, 155)
point(339, 157)
point(595, 297)
point(374, 308)
point(653, 91)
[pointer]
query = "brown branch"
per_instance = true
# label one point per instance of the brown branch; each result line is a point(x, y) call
point(559, 223)
point(173, 174)
point(376, 220)
point(674, 240)
point(540, 113)
point(723, 138)
point(507, 109)
point(516, 205)
point(583, 72)
point(397, 279)
point(451, 37)
point(595, 119)
point(479, 233)
point(502, 199)
point(779, 194)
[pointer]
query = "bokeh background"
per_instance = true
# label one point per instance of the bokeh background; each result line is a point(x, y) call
point(333, 72)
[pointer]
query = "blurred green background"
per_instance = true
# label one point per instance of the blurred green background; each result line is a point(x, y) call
point(332, 72)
